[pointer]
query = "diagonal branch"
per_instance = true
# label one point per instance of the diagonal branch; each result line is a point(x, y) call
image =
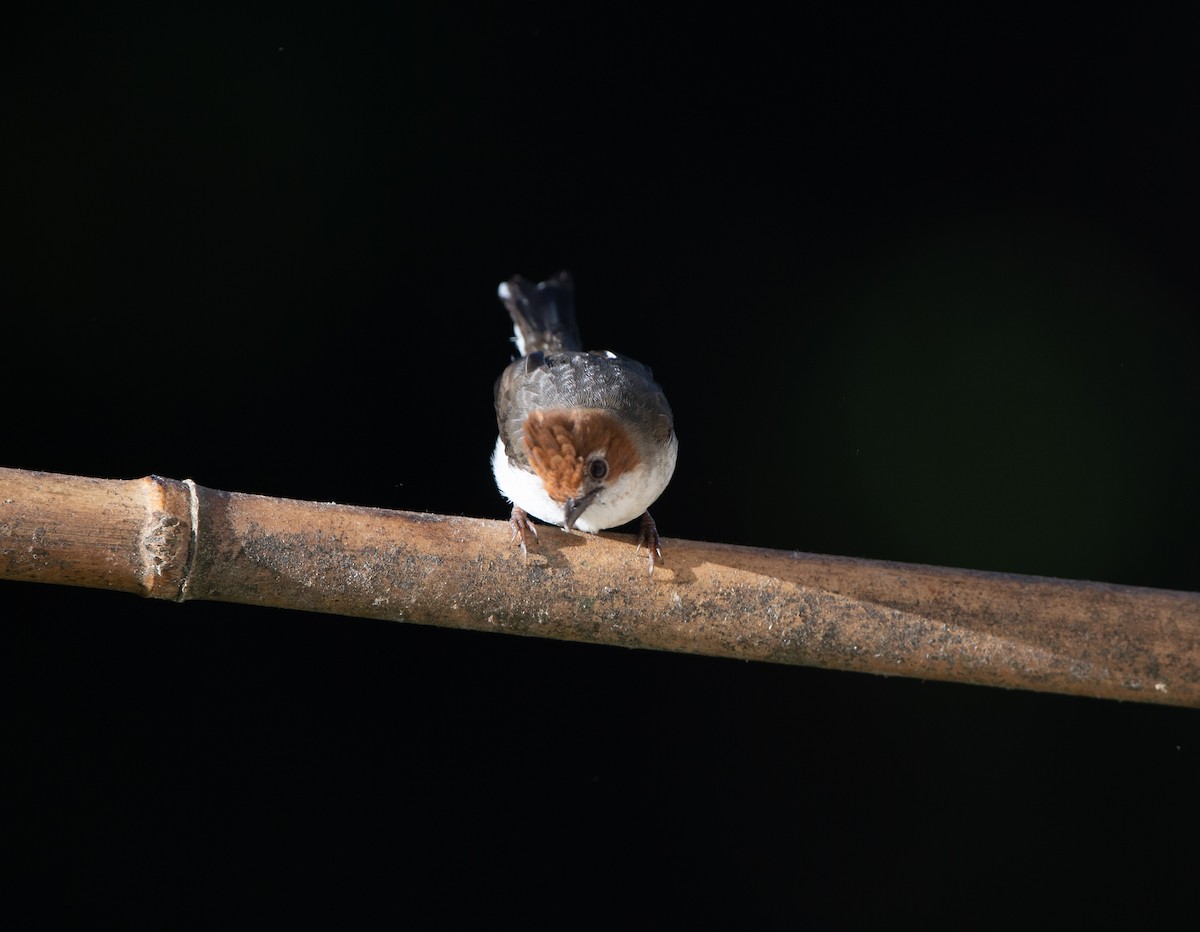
point(176, 540)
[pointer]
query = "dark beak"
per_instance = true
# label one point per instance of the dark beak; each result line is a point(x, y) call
point(575, 507)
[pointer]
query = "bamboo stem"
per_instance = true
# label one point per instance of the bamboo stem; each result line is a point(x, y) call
point(168, 539)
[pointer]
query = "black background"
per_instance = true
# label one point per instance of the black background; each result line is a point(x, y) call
point(920, 286)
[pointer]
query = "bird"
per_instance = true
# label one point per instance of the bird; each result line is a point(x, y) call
point(586, 438)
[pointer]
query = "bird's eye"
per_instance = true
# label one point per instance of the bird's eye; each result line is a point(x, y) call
point(598, 468)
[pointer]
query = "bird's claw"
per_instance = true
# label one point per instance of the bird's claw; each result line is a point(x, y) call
point(522, 528)
point(648, 538)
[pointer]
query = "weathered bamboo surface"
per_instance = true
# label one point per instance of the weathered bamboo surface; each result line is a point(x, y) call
point(169, 539)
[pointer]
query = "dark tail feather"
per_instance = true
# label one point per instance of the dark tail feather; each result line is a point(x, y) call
point(544, 313)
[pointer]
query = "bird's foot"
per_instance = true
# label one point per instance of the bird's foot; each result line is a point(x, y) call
point(648, 538)
point(523, 528)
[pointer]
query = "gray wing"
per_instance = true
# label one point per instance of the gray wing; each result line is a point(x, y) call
point(589, 380)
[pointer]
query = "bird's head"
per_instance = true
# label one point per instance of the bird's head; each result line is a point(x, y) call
point(578, 453)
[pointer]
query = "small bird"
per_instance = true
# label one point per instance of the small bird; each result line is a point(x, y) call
point(586, 439)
